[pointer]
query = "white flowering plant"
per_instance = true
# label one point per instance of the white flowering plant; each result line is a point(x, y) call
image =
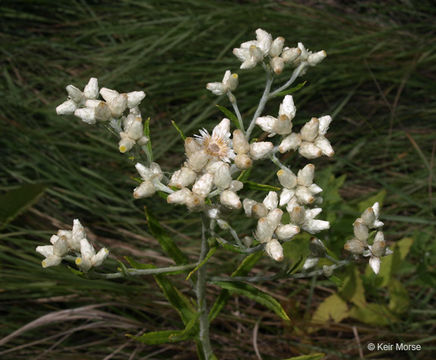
point(210, 184)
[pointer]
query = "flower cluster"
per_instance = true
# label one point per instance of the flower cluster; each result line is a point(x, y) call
point(359, 246)
point(120, 110)
point(275, 53)
point(66, 242)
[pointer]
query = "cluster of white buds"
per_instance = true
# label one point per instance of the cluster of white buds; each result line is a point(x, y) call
point(229, 83)
point(359, 244)
point(300, 189)
point(151, 180)
point(269, 228)
point(112, 109)
point(277, 55)
point(311, 141)
point(283, 124)
point(74, 241)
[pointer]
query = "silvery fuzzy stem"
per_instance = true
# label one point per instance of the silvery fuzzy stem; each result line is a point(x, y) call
point(200, 290)
point(136, 272)
point(294, 76)
point(262, 102)
point(276, 161)
point(259, 278)
point(234, 103)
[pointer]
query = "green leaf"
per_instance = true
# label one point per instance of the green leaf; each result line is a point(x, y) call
point(243, 176)
point(332, 308)
point(147, 134)
point(250, 185)
point(243, 269)
point(169, 336)
point(296, 251)
point(291, 90)
point(352, 288)
point(178, 301)
point(16, 201)
point(373, 314)
point(166, 242)
point(229, 115)
point(254, 294)
point(317, 356)
point(178, 130)
point(379, 197)
point(399, 298)
point(208, 256)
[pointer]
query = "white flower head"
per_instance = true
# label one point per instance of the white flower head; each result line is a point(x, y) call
point(218, 144)
point(253, 51)
point(313, 141)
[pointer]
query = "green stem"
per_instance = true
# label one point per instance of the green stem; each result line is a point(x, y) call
point(200, 290)
point(164, 270)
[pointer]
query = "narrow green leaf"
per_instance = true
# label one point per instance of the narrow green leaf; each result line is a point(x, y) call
point(250, 185)
point(291, 90)
point(254, 294)
point(178, 301)
point(243, 176)
point(169, 336)
point(166, 242)
point(16, 201)
point(208, 256)
point(178, 130)
point(229, 114)
point(147, 133)
point(243, 269)
point(317, 356)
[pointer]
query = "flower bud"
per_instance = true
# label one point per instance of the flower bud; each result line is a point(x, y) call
point(75, 94)
point(183, 177)
point(236, 185)
point(305, 175)
point(108, 94)
point(324, 145)
point(297, 215)
point(303, 195)
point(191, 146)
point(379, 245)
point(317, 247)
point(291, 142)
point(198, 160)
point(203, 185)
point(260, 150)
point(264, 230)
point(91, 89)
point(117, 105)
point(310, 263)
point(222, 177)
point(66, 108)
point(354, 246)
point(243, 161)
point(316, 58)
point(126, 143)
point(286, 232)
point(360, 231)
point(266, 123)
point(285, 196)
point(277, 64)
point(230, 199)
point(274, 250)
point(276, 46)
point(309, 131)
point(259, 210)
point(179, 197)
point(309, 150)
point(287, 178)
point(290, 54)
point(146, 189)
point(87, 115)
point(274, 217)
point(271, 200)
point(134, 98)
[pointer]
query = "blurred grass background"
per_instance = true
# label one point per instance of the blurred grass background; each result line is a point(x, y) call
point(378, 82)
